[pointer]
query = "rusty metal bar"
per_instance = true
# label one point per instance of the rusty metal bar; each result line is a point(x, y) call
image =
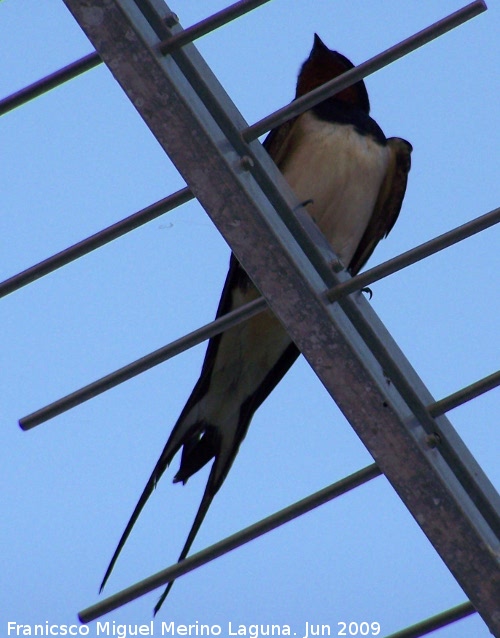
point(97, 240)
point(141, 365)
point(465, 394)
point(438, 621)
point(49, 82)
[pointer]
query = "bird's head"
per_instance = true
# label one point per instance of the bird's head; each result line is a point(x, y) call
point(324, 65)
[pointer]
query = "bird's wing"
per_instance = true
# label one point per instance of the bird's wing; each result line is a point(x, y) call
point(278, 140)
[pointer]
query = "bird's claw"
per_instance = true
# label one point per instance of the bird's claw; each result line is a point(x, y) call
point(305, 203)
point(368, 291)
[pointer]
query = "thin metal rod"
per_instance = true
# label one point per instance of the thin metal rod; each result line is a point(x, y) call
point(209, 24)
point(92, 60)
point(465, 394)
point(144, 363)
point(231, 542)
point(376, 63)
point(49, 82)
point(414, 255)
point(95, 241)
point(436, 622)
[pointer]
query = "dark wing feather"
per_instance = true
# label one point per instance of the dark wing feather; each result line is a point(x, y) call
point(277, 142)
point(206, 501)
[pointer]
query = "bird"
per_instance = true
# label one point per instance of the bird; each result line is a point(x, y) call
point(352, 181)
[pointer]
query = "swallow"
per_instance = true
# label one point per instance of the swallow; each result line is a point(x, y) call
point(352, 180)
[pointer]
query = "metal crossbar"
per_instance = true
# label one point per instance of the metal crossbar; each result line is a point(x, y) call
point(436, 622)
point(49, 82)
point(194, 338)
point(103, 237)
point(203, 27)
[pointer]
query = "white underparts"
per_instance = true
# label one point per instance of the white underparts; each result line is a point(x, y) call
point(341, 171)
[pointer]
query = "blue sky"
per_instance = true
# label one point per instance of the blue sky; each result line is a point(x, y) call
point(80, 158)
